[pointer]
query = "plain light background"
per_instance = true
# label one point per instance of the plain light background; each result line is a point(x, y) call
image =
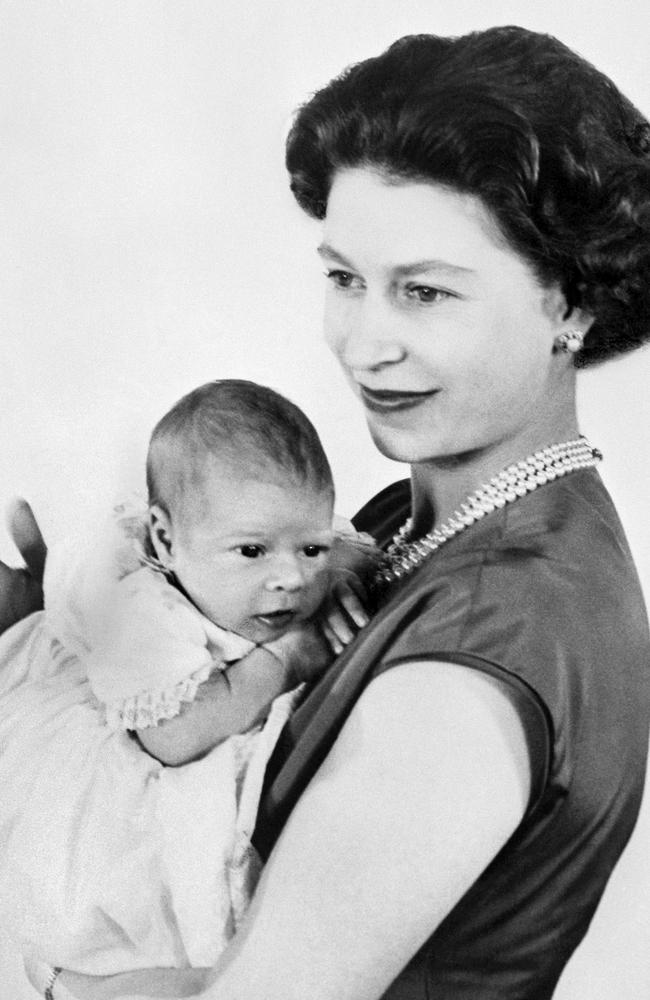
point(148, 243)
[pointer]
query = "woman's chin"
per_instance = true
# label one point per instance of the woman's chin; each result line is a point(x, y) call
point(405, 447)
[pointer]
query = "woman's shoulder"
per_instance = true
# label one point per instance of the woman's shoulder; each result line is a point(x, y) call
point(574, 503)
point(517, 583)
point(545, 554)
point(537, 590)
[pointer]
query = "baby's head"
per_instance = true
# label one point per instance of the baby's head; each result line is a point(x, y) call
point(241, 504)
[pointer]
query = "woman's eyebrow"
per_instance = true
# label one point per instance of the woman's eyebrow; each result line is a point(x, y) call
point(325, 250)
point(431, 264)
point(402, 270)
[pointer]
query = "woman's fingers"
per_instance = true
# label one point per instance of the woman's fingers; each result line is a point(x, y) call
point(20, 589)
point(27, 536)
point(20, 594)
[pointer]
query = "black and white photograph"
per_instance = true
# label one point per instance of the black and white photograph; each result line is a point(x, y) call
point(324, 534)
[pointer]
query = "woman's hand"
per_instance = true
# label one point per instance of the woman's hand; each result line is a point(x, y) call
point(21, 589)
point(142, 983)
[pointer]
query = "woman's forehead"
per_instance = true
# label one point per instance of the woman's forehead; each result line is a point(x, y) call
point(407, 223)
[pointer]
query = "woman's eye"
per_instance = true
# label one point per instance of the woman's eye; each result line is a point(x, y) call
point(342, 279)
point(312, 551)
point(427, 294)
point(250, 551)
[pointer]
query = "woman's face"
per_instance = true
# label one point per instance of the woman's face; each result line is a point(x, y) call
point(443, 331)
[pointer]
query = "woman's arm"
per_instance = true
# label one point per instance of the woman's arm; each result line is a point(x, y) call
point(427, 781)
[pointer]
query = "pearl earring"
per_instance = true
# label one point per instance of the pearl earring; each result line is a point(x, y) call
point(570, 342)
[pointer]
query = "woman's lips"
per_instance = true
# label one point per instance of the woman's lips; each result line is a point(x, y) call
point(388, 400)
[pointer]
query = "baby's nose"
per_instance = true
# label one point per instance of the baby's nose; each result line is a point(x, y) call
point(286, 574)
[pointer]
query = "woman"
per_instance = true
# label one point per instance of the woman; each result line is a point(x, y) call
point(453, 796)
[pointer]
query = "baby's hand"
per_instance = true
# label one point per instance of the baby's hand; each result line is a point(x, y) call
point(304, 653)
point(344, 613)
point(353, 563)
point(353, 552)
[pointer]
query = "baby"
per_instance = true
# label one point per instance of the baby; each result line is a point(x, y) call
point(181, 640)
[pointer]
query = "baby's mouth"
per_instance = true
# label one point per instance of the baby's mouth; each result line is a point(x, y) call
point(277, 619)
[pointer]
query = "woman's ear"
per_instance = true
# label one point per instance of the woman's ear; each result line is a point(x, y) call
point(578, 319)
point(161, 535)
point(563, 316)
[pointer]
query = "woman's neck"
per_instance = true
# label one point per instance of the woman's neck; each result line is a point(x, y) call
point(440, 486)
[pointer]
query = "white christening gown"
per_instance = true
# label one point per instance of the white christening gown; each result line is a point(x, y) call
point(110, 861)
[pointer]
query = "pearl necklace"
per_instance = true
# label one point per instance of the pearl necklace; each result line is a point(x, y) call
point(404, 555)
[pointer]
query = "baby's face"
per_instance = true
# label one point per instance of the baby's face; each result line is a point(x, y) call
point(253, 556)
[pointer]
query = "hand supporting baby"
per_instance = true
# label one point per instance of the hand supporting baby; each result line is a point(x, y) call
point(20, 589)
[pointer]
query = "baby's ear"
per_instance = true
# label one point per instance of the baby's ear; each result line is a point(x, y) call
point(161, 535)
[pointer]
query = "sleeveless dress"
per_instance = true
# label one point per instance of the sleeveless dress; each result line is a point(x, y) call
point(110, 861)
point(543, 596)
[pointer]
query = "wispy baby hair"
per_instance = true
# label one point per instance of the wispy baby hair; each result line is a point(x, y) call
point(240, 422)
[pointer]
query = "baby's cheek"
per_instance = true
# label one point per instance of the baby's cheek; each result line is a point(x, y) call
point(319, 587)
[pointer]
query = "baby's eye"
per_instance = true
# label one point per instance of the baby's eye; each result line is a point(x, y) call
point(250, 551)
point(343, 279)
point(427, 294)
point(312, 551)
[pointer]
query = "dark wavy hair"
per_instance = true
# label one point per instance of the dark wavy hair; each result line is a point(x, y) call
point(557, 154)
point(242, 423)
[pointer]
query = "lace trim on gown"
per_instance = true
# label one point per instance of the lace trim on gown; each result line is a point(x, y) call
point(148, 708)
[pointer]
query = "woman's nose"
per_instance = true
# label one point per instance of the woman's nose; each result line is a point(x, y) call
point(365, 337)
